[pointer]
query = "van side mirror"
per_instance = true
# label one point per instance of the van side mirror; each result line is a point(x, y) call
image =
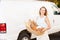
point(56, 13)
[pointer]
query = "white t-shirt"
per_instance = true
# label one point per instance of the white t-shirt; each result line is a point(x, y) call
point(41, 22)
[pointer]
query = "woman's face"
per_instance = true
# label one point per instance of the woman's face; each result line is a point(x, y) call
point(42, 11)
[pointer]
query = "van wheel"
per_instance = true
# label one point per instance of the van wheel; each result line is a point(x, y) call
point(24, 36)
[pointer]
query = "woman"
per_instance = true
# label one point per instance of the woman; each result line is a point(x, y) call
point(43, 22)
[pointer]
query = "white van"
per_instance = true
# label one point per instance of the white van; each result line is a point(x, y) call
point(14, 14)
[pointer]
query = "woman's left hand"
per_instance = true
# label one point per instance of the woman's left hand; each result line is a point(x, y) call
point(45, 29)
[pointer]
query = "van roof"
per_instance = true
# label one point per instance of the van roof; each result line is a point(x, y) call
point(44, 2)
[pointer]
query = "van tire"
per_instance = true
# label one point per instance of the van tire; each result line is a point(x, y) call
point(23, 35)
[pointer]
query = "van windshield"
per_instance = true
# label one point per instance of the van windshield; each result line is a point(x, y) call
point(55, 7)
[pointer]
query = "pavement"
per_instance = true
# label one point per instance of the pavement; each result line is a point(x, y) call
point(55, 36)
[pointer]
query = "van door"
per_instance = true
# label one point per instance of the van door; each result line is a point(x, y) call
point(56, 15)
point(56, 18)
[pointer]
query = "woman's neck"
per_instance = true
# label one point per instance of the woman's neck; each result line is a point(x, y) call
point(41, 15)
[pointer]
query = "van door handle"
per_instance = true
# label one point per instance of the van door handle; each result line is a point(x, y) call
point(53, 21)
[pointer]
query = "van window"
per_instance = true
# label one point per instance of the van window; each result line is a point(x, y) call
point(56, 13)
point(55, 8)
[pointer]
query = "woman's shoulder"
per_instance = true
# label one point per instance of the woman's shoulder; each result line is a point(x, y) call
point(46, 17)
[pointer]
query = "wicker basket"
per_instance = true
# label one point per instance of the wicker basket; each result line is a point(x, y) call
point(31, 27)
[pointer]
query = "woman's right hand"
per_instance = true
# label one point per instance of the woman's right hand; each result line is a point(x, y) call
point(39, 31)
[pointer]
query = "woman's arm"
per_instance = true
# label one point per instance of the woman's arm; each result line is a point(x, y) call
point(48, 24)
